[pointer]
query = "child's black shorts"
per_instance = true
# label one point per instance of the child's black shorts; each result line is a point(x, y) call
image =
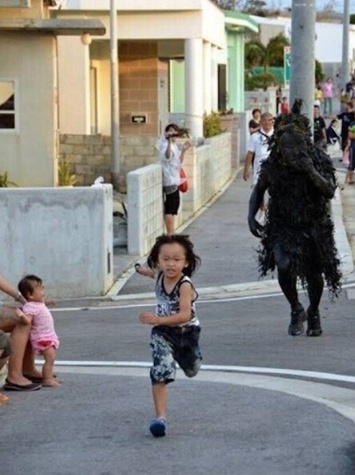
point(171, 345)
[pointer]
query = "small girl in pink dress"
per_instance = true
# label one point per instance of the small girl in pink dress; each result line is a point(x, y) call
point(43, 337)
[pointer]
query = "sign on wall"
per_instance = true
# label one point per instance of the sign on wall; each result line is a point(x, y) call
point(287, 64)
point(139, 119)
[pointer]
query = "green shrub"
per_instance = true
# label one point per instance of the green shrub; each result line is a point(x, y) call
point(212, 125)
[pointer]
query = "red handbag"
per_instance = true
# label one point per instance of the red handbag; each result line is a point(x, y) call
point(183, 187)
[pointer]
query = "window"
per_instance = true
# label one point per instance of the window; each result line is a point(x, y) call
point(222, 87)
point(93, 101)
point(15, 3)
point(7, 105)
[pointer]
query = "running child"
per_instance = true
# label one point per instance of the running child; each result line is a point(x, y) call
point(176, 329)
point(43, 337)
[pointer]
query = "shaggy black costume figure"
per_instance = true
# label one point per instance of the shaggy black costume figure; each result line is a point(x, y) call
point(298, 234)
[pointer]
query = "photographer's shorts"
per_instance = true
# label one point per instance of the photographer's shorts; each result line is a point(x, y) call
point(5, 345)
point(171, 202)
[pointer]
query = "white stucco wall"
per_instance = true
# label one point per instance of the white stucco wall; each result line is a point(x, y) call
point(64, 235)
point(74, 86)
point(28, 153)
point(75, 69)
point(177, 20)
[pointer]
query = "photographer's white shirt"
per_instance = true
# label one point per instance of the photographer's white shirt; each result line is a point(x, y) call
point(170, 166)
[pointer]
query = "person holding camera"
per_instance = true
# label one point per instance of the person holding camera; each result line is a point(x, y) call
point(171, 157)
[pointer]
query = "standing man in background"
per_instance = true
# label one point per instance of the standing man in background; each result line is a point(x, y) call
point(258, 147)
point(319, 129)
point(346, 117)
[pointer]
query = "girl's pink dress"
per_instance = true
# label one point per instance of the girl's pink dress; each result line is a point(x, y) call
point(42, 334)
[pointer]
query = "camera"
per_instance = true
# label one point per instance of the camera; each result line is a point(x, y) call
point(170, 135)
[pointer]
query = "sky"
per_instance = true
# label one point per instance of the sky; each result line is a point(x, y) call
point(338, 5)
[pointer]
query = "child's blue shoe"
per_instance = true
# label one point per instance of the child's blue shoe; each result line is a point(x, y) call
point(158, 427)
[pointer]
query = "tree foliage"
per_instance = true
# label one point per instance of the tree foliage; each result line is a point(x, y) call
point(252, 7)
point(271, 54)
point(255, 7)
point(318, 71)
point(327, 12)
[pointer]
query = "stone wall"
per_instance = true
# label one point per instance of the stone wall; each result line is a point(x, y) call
point(90, 155)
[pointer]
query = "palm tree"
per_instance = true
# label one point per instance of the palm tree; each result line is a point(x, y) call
point(272, 54)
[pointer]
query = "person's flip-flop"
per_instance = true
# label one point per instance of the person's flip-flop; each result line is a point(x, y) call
point(36, 379)
point(9, 386)
point(158, 427)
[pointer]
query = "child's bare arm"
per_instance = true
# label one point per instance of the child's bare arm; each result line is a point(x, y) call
point(144, 270)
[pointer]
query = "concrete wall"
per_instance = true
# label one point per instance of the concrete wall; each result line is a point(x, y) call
point(207, 167)
point(145, 208)
point(28, 153)
point(64, 235)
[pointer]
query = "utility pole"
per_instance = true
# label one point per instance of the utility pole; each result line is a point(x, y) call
point(345, 76)
point(115, 159)
point(302, 81)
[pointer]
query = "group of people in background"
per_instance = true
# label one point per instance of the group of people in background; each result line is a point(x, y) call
point(325, 136)
point(340, 131)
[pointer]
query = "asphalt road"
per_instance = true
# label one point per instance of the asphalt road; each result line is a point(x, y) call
point(259, 420)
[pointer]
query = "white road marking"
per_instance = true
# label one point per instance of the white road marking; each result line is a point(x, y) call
point(150, 300)
point(341, 400)
point(220, 368)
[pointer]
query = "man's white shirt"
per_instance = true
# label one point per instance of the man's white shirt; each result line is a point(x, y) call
point(258, 144)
